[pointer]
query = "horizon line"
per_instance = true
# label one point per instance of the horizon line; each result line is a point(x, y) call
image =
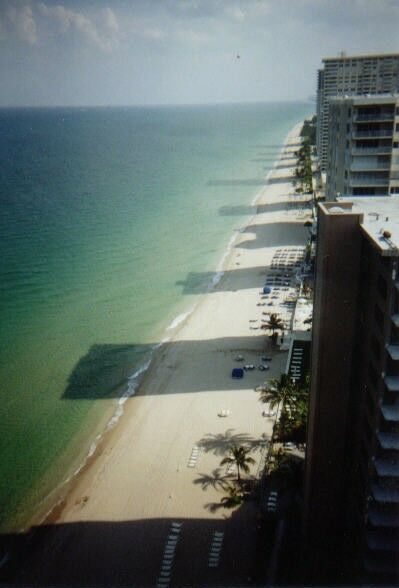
point(153, 105)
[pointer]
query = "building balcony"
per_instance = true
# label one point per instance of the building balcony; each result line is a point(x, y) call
point(374, 134)
point(384, 150)
point(390, 412)
point(389, 441)
point(370, 166)
point(392, 383)
point(382, 540)
point(393, 351)
point(383, 516)
point(387, 468)
point(368, 180)
point(374, 117)
point(385, 494)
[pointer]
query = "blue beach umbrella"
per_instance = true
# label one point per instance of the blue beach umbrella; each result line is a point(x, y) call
point(266, 290)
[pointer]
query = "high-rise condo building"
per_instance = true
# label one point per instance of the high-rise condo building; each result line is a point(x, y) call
point(344, 75)
point(351, 516)
point(363, 146)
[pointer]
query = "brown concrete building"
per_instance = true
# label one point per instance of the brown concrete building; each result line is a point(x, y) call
point(351, 517)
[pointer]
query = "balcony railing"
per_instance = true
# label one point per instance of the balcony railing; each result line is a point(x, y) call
point(383, 517)
point(392, 383)
point(387, 467)
point(393, 351)
point(381, 540)
point(374, 133)
point(371, 150)
point(368, 180)
point(384, 166)
point(389, 441)
point(395, 320)
point(385, 494)
point(390, 412)
point(377, 116)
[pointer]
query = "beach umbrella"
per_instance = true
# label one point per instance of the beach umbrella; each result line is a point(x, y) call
point(266, 290)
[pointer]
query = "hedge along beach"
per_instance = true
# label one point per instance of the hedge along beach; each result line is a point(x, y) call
point(138, 482)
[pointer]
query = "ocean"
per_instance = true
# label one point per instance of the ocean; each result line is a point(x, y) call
point(112, 222)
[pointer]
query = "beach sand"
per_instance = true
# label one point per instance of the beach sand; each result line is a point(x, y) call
point(114, 524)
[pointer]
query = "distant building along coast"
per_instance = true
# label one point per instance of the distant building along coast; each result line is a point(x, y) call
point(344, 75)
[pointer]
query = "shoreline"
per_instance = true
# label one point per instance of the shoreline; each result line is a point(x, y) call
point(53, 507)
point(176, 406)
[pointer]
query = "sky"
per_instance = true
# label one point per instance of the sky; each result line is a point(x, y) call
point(146, 52)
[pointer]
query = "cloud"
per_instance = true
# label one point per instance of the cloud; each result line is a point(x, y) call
point(110, 20)
point(235, 13)
point(193, 37)
point(21, 19)
point(153, 33)
point(104, 33)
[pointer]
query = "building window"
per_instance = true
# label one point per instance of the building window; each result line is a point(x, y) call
point(394, 189)
point(395, 144)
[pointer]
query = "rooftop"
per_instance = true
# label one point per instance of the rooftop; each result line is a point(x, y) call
point(372, 56)
point(380, 217)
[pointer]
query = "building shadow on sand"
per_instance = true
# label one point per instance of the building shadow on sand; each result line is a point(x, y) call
point(131, 553)
point(251, 210)
point(105, 370)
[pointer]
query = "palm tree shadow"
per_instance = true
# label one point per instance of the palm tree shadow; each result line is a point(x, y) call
point(220, 443)
point(213, 506)
point(216, 480)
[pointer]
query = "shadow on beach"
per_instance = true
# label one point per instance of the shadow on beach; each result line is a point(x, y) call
point(106, 368)
point(251, 181)
point(220, 443)
point(251, 210)
point(270, 160)
point(282, 179)
point(130, 553)
point(233, 280)
point(270, 146)
point(103, 372)
point(239, 182)
point(274, 234)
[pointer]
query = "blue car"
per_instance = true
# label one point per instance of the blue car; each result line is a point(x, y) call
point(237, 373)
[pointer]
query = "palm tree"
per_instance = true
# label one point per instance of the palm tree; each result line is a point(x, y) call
point(274, 324)
point(234, 497)
point(278, 391)
point(239, 456)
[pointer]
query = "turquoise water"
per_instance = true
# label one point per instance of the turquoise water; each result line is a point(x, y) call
point(106, 216)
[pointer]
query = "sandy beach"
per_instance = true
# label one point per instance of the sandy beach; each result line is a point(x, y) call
point(157, 474)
